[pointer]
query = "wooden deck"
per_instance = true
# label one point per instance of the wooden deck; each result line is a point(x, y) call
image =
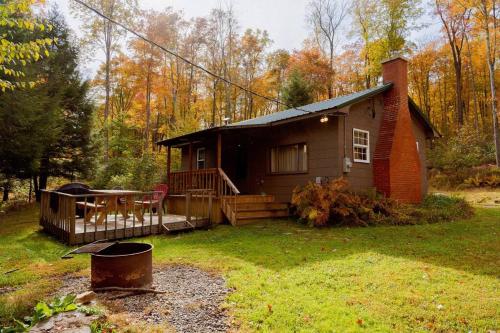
point(127, 228)
point(60, 217)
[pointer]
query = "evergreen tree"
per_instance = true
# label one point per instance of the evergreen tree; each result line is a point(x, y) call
point(45, 131)
point(69, 153)
point(297, 91)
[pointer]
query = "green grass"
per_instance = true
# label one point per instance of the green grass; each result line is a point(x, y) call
point(287, 277)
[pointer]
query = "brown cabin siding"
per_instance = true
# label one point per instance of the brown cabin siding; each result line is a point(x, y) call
point(420, 136)
point(322, 148)
point(210, 155)
point(364, 116)
point(325, 144)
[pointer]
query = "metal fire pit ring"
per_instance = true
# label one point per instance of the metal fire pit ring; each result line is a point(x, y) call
point(125, 265)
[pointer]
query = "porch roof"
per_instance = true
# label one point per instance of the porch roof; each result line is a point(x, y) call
point(329, 106)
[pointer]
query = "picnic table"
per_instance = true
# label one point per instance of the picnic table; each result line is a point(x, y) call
point(107, 201)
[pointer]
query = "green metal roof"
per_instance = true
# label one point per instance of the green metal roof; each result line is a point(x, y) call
point(334, 103)
point(305, 111)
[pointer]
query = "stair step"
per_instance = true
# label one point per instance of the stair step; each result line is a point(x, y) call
point(178, 226)
point(259, 214)
point(251, 198)
point(240, 207)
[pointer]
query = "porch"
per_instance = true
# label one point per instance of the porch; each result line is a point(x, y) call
point(78, 219)
point(238, 167)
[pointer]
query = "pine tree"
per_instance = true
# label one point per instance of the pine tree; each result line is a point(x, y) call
point(297, 91)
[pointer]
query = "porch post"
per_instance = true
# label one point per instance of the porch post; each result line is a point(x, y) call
point(219, 150)
point(169, 161)
point(190, 179)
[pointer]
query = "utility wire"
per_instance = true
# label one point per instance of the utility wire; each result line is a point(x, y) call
point(201, 68)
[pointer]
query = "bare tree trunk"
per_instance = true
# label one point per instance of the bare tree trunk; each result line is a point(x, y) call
point(154, 146)
point(473, 86)
point(106, 108)
point(214, 102)
point(148, 107)
point(457, 64)
point(6, 190)
point(30, 191)
point(491, 67)
point(107, 85)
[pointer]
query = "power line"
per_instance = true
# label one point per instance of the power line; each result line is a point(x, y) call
point(203, 69)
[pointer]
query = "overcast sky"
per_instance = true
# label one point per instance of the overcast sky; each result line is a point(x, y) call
point(284, 20)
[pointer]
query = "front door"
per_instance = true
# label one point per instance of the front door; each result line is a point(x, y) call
point(241, 162)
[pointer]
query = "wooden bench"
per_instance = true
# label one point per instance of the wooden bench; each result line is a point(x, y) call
point(91, 209)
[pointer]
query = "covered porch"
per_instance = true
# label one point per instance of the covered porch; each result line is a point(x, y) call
point(235, 166)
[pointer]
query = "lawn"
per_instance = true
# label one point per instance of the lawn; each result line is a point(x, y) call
point(288, 277)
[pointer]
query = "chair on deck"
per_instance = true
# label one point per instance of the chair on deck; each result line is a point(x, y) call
point(155, 200)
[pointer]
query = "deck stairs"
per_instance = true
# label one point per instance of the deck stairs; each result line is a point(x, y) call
point(245, 209)
point(178, 226)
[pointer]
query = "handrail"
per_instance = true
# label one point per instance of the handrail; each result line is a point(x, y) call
point(59, 211)
point(207, 170)
point(228, 181)
point(181, 181)
point(138, 193)
point(228, 200)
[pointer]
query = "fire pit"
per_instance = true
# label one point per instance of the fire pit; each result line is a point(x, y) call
point(125, 265)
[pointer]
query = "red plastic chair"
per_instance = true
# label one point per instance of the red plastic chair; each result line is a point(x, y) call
point(155, 200)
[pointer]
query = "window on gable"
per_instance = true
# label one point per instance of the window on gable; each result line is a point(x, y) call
point(289, 158)
point(200, 158)
point(361, 145)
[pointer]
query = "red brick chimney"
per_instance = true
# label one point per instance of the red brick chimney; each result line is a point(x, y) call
point(396, 163)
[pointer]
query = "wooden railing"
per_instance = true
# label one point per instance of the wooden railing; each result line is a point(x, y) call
point(59, 216)
point(199, 206)
point(182, 181)
point(61, 221)
point(214, 180)
point(228, 193)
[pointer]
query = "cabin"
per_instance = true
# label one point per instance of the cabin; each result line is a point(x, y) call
point(375, 138)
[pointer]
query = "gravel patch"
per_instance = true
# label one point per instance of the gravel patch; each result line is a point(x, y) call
point(192, 302)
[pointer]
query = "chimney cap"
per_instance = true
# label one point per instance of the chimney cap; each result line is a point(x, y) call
point(398, 57)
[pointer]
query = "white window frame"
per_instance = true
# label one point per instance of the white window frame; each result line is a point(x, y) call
point(198, 159)
point(367, 146)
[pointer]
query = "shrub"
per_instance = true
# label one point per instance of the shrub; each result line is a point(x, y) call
point(441, 208)
point(333, 204)
point(477, 177)
point(130, 173)
point(466, 149)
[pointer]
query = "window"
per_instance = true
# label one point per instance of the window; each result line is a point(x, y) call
point(289, 159)
point(361, 145)
point(200, 158)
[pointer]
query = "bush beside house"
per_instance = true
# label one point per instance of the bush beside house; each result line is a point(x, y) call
point(332, 204)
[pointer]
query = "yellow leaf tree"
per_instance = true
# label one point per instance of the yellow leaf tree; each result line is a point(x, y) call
point(16, 53)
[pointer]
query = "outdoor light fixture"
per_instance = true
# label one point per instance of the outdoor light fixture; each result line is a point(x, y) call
point(324, 119)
